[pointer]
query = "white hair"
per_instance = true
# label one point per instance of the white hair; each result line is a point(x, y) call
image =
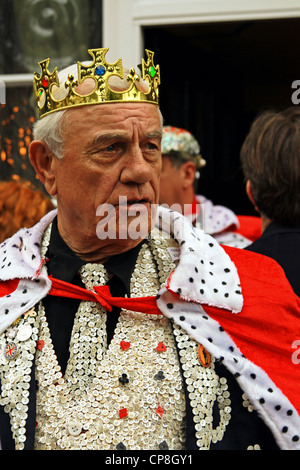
point(50, 129)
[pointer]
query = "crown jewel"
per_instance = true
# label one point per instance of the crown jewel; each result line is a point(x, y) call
point(100, 71)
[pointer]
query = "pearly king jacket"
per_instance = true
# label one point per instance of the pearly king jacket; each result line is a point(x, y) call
point(246, 316)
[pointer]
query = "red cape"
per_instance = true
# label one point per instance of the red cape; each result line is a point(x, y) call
point(269, 324)
point(250, 226)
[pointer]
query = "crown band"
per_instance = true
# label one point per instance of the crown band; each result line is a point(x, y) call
point(100, 71)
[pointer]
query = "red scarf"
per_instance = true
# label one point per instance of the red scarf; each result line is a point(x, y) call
point(103, 296)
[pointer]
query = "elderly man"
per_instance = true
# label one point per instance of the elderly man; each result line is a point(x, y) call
point(119, 335)
point(181, 165)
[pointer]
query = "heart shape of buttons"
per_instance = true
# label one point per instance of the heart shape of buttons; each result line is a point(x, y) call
point(40, 344)
point(125, 345)
point(123, 413)
point(161, 347)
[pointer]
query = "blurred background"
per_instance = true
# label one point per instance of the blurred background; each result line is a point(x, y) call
point(31, 31)
point(222, 62)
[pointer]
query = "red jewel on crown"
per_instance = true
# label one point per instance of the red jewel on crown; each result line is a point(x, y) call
point(45, 81)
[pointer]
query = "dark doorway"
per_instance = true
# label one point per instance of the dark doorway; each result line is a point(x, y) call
point(215, 79)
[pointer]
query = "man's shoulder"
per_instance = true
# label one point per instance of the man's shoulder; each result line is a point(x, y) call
point(25, 237)
point(257, 269)
point(23, 280)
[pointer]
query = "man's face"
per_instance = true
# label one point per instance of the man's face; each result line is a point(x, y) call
point(111, 150)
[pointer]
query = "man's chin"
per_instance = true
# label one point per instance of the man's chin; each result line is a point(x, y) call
point(125, 227)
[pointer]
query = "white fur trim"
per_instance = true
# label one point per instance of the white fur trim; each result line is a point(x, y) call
point(205, 273)
point(20, 258)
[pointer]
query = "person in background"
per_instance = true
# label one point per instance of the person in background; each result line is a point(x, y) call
point(20, 206)
point(270, 158)
point(182, 161)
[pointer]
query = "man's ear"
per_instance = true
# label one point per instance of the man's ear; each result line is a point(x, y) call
point(250, 194)
point(188, 173)
point(42, 161)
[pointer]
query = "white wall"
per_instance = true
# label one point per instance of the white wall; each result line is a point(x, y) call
point(123, 19)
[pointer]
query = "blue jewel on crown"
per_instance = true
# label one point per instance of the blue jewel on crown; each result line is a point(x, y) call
point(100, 70)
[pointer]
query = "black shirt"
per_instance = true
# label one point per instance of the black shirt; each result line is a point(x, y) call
point(63, 264)
point(283, 245)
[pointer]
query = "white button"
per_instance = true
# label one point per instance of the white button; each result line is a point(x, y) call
point(74, 428)
point(11, 334)
point(24, 333)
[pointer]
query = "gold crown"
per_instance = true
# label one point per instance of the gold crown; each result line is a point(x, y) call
point(100, 71)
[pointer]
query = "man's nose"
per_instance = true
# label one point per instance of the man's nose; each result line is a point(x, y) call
point(136, 168)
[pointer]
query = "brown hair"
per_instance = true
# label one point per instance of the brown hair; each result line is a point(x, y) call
point(270, 158)
point(20, 206)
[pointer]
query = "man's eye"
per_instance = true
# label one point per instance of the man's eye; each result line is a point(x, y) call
point(110, 148)
point(152, 146)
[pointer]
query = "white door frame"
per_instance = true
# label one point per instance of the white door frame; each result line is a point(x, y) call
point(123, 20)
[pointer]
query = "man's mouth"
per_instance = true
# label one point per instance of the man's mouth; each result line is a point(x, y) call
point(129, 218)
point(131, 202)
